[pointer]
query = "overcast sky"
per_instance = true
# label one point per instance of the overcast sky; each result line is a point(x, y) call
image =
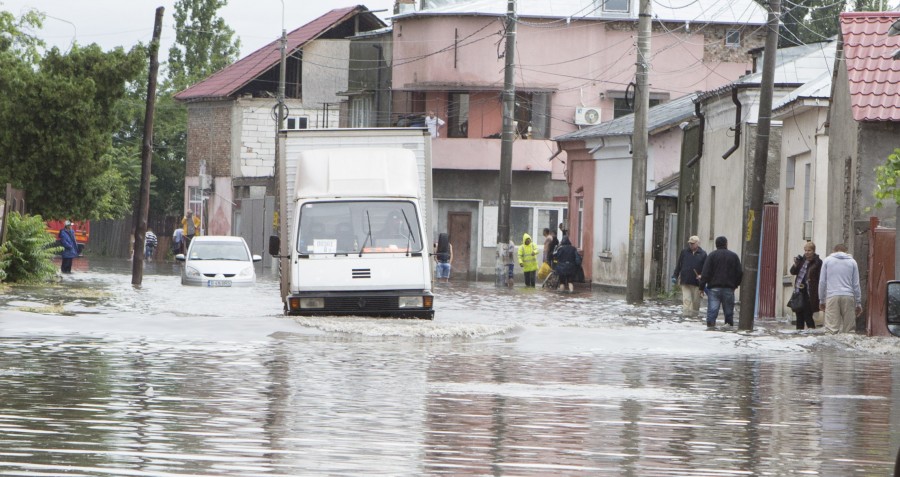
point(111, 23)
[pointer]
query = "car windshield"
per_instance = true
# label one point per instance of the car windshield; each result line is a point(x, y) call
point(347, 227)
point(219, 251)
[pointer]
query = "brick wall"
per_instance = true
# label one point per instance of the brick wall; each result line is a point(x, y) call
point(209, 138)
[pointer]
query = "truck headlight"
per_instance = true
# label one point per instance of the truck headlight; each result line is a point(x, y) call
point(312, 303)
point(191, 272)
point(410, 302)
point(247, 272)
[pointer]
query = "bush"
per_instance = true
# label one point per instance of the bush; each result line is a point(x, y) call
point(27, 254)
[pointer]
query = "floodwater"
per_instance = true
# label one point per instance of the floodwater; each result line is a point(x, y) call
point(100, 378)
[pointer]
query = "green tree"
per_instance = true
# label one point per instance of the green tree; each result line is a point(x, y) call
point(204, 43)
point(887, 180)
point(56, 121)
point(27, 254)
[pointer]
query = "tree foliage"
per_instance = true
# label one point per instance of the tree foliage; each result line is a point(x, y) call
point(204, 43)
point(887, 180)
point(57, 121)
point(27, 254)
point(811, 21)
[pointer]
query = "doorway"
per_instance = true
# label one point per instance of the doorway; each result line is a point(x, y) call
point(459, 226)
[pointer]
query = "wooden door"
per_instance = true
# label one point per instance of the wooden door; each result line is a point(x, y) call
point(459, 226)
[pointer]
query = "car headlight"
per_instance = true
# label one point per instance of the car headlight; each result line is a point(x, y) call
point(410, 302)
point(312, 303)
point(191, 272)
point(247, 272)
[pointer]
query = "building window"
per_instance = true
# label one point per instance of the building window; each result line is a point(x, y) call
point(621, 107)
point(621, 6)
point(733, 38)
point(607, 223)
point(533, 115)
point(790, 172)
point(458, 115)
point(360, 112)
point(520, 223)
point(417, 100)
point(297, 122)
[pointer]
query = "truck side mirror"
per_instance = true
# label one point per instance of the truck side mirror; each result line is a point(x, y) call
point(274, 245)
point(893, 307)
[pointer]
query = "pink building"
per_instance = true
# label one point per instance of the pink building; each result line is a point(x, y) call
point(574, 62)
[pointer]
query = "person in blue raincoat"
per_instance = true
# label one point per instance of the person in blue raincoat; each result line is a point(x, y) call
point(70, 247)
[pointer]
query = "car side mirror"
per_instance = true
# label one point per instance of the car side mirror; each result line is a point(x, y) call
point(257, 258)
point(179, 257)
point(893, 307)
point(274, 245)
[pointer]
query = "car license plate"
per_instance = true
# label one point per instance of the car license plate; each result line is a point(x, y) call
point(218, 283)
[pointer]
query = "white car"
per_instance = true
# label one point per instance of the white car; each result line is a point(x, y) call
point(218, 261)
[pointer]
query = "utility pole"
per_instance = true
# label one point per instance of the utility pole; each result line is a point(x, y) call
point(757, 173)
point(634, 292)
point(506, 143)
point(280, 222)
point(142, 208)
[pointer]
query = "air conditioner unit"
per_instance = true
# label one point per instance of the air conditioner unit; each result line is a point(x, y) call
point(587, 116)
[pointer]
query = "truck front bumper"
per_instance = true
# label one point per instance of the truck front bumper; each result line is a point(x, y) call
point(392, 303)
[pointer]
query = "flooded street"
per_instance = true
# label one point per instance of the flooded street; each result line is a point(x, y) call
point(99, 378)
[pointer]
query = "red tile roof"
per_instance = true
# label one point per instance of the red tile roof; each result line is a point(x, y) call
point(873, 75)
point(233, 77)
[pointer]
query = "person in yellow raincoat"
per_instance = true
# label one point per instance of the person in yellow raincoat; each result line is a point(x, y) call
point(528, 260)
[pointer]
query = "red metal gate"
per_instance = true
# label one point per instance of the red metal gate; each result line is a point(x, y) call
point(768, 263)
point(881, 269)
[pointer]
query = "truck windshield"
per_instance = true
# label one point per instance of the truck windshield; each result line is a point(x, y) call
point(343, 227)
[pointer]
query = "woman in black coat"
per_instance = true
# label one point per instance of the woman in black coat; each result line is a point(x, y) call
point(567, 263)
point(807, 267)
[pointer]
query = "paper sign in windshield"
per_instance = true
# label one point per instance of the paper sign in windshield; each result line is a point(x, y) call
point(324, 246)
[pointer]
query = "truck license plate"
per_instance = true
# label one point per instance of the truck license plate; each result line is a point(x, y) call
point(219, 283)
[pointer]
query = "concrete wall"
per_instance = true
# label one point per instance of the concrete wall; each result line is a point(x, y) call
point(803, 144)
point(325, 71)
point(547, 57)
point(842, 149)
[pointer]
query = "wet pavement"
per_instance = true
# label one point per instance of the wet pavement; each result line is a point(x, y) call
point(100, 378)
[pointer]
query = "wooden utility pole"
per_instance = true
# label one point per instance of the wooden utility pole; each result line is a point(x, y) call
point(757, 173)
point(142, 209)
point(506, 142)
point(634, 292)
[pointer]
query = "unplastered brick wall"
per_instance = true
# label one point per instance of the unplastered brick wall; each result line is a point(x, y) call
point(715, 50)
point(209, 138)
point(257, 133)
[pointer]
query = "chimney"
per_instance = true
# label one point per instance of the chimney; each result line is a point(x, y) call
point(403, 6)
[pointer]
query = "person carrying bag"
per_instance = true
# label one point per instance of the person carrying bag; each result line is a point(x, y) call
point(805, 298)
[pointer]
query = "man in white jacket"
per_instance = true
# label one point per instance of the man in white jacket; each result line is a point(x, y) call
point(839, 292)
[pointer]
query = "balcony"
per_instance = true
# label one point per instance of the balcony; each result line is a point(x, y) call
point(484, 154)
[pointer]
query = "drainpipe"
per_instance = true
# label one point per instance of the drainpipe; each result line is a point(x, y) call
point(702, 126)
point(737, 123)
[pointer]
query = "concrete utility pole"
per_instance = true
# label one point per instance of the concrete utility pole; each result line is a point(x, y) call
point(142, 208)
point(280, 222)
point(506, 143)
point(757, 173)
point(634, 292)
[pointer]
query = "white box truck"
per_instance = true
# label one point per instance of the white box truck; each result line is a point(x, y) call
point(354, 236)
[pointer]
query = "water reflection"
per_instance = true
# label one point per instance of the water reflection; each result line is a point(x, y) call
point(214, 395)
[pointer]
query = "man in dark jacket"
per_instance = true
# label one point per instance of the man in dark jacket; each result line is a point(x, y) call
point(722, 273)
point(70, 247)
point(687, 270)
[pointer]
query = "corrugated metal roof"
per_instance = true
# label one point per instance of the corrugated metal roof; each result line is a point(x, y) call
point(746, 12)
point(819, 88)
point(233, 77)
point(658, 117)
point(794, 66)
point(873, 75)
